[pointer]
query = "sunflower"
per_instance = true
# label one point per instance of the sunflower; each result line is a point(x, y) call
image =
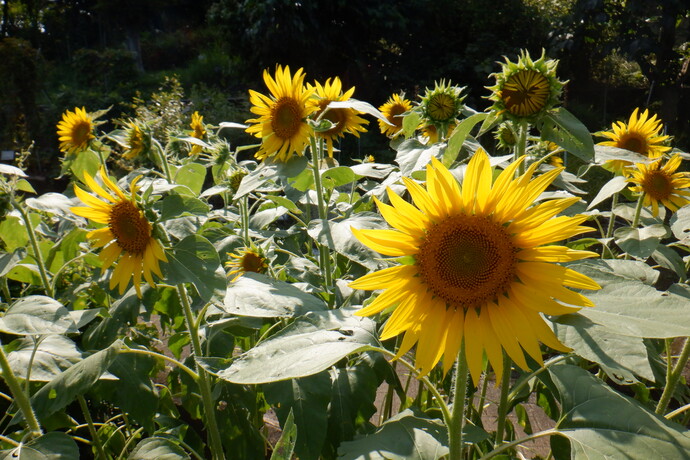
point(128, 234)
point(430, 133)
point(198, 131)
point(477, 264)
point(526, 89)
point(75, 131)
point(246, 260)
point(393, 109)
point(661, 184)
point(343, 120)
point(137, 141)
point(281, 125)
point(640, 135)
point(441, 106)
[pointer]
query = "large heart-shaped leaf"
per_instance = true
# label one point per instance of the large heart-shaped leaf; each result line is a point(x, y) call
point(37, 315)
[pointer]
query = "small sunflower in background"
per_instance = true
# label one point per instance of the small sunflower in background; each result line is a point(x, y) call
point(282, 117)
point(526, 89)
point(128, 237)
point(246, 260)
point(198, 131)
point(505, 136)
point(137, 141)
point(343, 120)
point(478, 265)
point(661, 184)
point(393, 109)
point(431, 134)
point(641, 134)
point(75, 131)
point(440, 107)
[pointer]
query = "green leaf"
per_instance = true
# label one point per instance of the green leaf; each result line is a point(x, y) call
point(375, 170)
point(13, 233)
point(307, 398)
point(53, 203)
point(414, 156)
point(613, 186)
point(191, 175)
point(195, 260)
point(602, 424)
point(37, 315)
point(254, 294)
point(174, 206)
point(335, 177)
point(310, 344)
point(285, 446)
point(623, 358)
point(284, 202)
point(668, 258)
point(564, 129)
point(75, 381)
point(606, 153)
point(410, 123)
point(338, 237)
point(51, 446)
point(86, 162)
point(405, 436)
point(134, 390)
point(640, 242)
point(459, 135)
point(10, 170)
point(8, 260)
point(53, 355)
point(632, 308)
point(157, 448)
point(680, 225)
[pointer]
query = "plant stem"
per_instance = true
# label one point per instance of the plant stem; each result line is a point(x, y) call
point(612, 219)
point(92, 428)
point(457, 418)
point(204, 383)
point(521, 146)
point(187, 370)
point(503, 402)
point(164, 161)
point(517, 442)
point(638, 211)
point(673, 377)
point(34, 245)
point(5, 290)
point(20, 397)
point(324, 253)
point(244, 217)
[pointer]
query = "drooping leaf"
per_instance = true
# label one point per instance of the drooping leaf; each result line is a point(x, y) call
point(458, 136)
point(254, 294)
point(51, 446)
point(195, 260)
point(615, 185)
point(37, 315)
point(603, 424)
point(191, 175)
point(307, 399)
point(414, 156)
point(8, 260)
point(54, 203)
point(285, 446)
point(174, 206)
point(564, 129)
point(157, 448)
point(310, 344)
point(52, 355)
point(640, 242)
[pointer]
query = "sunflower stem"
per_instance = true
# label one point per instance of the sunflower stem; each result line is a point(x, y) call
point(503, 402)
point(92, 428)
point(324, 253)
point(612, 219)
point(5, 290)
point(521, 146)
point(457, 418)
point(34, 245)
point(673, 377)
point(244, 216)
point(204, 383)
point(164, 161)
point(638, 211)
point(20, 397)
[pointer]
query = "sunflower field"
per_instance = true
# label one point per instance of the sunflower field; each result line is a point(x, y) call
point(189, 298)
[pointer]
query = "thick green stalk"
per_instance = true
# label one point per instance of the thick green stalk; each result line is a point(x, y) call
point(521, 146)
point(34, 245)
point(638, 211)
point(673, 377)
point(7, 296)
point(20, 397)
point(325, 255)
point(204, 383)
point(612, 220)
point(503, 402)
point(164, 161)
point(95, 440)
point(457, 418)
point(244, 217)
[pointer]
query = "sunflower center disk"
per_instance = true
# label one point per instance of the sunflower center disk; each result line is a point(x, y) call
point(286, 118)
point(441, 107)
point(657, 184)
point(80, 133)
point(252, 262)
point(337, 117)
point(525, 93)
point(634, 143)
point(467, 261)
point(130, 228)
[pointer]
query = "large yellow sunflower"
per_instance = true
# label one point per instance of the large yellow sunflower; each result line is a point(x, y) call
point(393, 109)
point(75, 131)
point(282, 123)
point(661, 184)
point(478, 265)
point(344, 120)
point(127, 236)
point(640, 134)
point(198, 131)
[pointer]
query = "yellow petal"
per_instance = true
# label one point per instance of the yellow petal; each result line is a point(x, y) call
point(385, 278)
point(387, 242)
